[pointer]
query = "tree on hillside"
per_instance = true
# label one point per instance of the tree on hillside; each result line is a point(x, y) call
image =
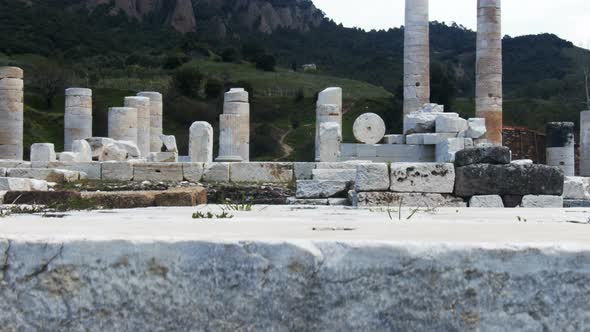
point(51, 78)
point(187, 81)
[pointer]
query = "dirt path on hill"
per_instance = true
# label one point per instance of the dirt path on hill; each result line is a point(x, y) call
point(287, 149)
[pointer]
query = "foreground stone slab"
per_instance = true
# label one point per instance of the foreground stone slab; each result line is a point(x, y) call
point(486, 179)
point(423, 177)
point(542, 201)
point(328, 270)
point(419, 200)
point(261, 172)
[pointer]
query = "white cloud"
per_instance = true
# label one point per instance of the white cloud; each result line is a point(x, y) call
point(569, 19)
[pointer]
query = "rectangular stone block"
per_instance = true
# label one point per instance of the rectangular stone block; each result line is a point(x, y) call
point(489, 201)
point(49, 175)
point(350, 164)
point(216, 172)
point(93, 170)
point(193, 172)
point(450, 123)
point(162, 157)
point(2, 172)
point(117, 171)
point(434, 139)
point(542, 202)
point(446, 149)
point(14, 184)
point(303, 171)
point(191, 196)
point(334, 174)
point(394, 139)
point(261, 172)
point(418, 200)
point(416, 139)
point(5, 163)
point(308, 202)
point(321, 189)
point(166, 172)
point(372, 177)
point(423, 178)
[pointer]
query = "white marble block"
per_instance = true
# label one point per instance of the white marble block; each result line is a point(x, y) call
point(77, 116)
point(446, 149)
point(83, 150)
point(236, 103)
point(168, 143)
point(542, 202)
point(325, 113)
point(229, 138)
point(113, 152)
point(489, 201)
point(423, 177)
point(450, 123)
point(143, 107)
point(156, 118)
point(416, 82)
point(43, 152)
point(394, 139)
point(123, 124)
point(372, 177)
point(329, 142)
point(476, 128)
point(369, 128)
point(200, 145)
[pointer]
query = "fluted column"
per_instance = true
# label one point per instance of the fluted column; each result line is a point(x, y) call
point(156, 118)
point(142, 105)
point(488, 90)
point(416, 56)
point(229, 138)
point(11, 113)
point(77, 116)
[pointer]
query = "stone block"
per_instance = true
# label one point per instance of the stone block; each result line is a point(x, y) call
point(334, 174)
point(351, 164)
point(83, 149)
point(216, 172)
point(193, 172)
point(422, 177)
point(97, 145)
point(489, 201)
point(576, 203)
point(169, 143)
point(93, 169)
point(338, 202)
point(67, 157)
point(2, 172)
point(394, 139)
point(321, 189)
point(162, 157)
point(133, 151)
point(259, 172)
point(399, 153)
point(576, 188)
point(420, 122)
point(191, 196)
point(419, 200)
point(435, 138)
point(542, 201)
point(476, 128)
point(14, 184)
point(113, 152)
point(309, 202)
point(201, 142)
point(497, 155)
point(303, 170)
point(166, 172)
point(372, 177)
point(117, 171)
point(446, 149)
point(487, 179)
point(50, 175)
point(43, 152)
point(522, 162)
point(4, 163)
point(416, 139)
point(39, 185)
point(329, 140)
point(450, 123)
point(236, 95)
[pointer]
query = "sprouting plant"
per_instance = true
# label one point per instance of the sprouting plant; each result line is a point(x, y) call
point(239, 207)
point(209, 215)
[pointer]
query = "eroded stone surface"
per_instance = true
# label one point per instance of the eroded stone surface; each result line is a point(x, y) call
point(321, 189)
point(261, 172)
point(422, 177)
point(498, 155)
point(369, 128)
point(542, 201)
point(391, 199)
point(576, 188)
point(489, 201)
point(372, 177)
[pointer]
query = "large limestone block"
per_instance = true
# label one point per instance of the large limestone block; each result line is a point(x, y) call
point(14, 184)
point(394, 139)
point(334, 174)
point(486, 179)
point(122, 124)
point(43, 152)
point(497, 155)
point(303, 170)
point(447, 149)
point(576, 188)
point(542, 201)
point(193, 172)
point(420, 122)
point(132, 149)
point(201, 142)
point(167, 172)
point(68, 157)
point(113, 152)
point(372, 177)
point(14, 164)
point(162, 157)
point(92, 169)
point(476, 128)
point(169, 143)
point(350, 164)
point(488, 201)
point(50, 175)
point(417, 200)
point(436, 138)
point(450, 123)
point(268, 172)
point(329, 142)
point(216, 172)
point(39, 185)
point(97, 145)
point(83, 149)
point(369, 128)
point(117, 171)
point(423, 177)
point(321, 189)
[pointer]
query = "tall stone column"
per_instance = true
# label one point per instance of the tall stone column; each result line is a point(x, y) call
point(156, 118)
point(416, 56)
point(200, 145)
point(325, 113)
point(123, 124)
point(236, 102)
point(488, 75)
point(11, 113)
point(229, 138)
point(77, 116)
point(585, 143)
point(561, 146)
point(142, 105)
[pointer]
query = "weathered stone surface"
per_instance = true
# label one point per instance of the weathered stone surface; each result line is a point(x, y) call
point(39, 185)
point(321, 189)
point(236, 95)
point(334, 174)
point(303, 170)
point(416, 82)
point(422, 178)
point(394, 139)
point(366, 199)
point(338, 202)
point(156, 117)
point(522, 162)
point(329, 142)
point(40, 197)
point(351, 164)
point(193, 172)
point(372, 177)
point(420, 122)
point(117, 171)
point(489, 201)
point(14, 184)
point(256, 172)
point(131, 148)
point(487, 179)
point(143, 107)
point(43, 152)
point(162, 157)
point(157, 172)
point(15, 164)
point(50, 175)
point(2, 172)
point(229, 138)
point(447, 149)
point(576, 203)
point(113, 152)
point(498, 155)
point(476, 128)
point(2, 195)
point(68, 157)
point(216, 172)
point(97, 145)
point(308, 202)
point(416, 139)
point(576, 188)
point(201, 142)
point(11, 72)
point(435, 138)
point(369, 128)
point(83, 150)
point(92, 169)
point(542, 201)
point(450, 123)
point(122, 124)
point(388, 152)
point(192, 196)
point(168, 143)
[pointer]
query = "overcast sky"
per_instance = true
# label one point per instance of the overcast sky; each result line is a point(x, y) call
point(569, 19)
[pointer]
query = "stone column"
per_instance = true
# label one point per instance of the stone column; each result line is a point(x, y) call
point(236, 102)
point(561, 146)
point(416, 56)
point(142, 105)
point(488, 75)
point(330, 140)
point(11, 113)
point(78, 116)
point(200, 145)
point(325, 113)
point(156, 118)
point(229, 138)
point(332, 96)
point(585, 143)
point(123, 124)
